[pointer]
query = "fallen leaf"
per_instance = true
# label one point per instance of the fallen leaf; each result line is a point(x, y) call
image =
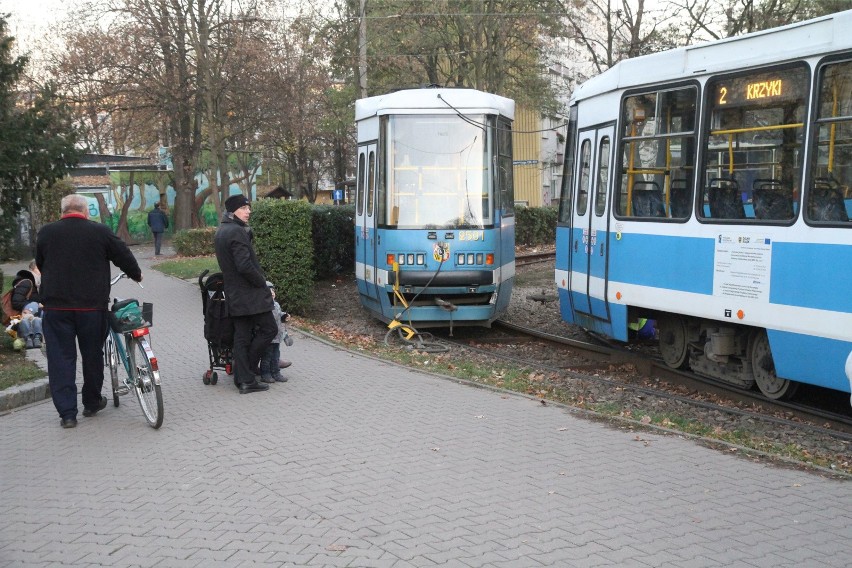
point(336, 547)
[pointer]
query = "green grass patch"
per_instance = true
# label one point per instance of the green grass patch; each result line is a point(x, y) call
point(15, 368)
point(189, 267)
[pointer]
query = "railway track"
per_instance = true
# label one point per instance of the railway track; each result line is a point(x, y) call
point(834, 421)
point(534, 258)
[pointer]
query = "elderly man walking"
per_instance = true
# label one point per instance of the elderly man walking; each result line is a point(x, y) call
point(74, 255)
point(249, 300)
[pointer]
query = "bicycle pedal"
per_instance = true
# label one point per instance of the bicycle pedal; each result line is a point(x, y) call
point(122, 390)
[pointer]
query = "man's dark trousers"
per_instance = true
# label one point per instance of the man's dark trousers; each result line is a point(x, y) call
point(158, 242)
point(247, 349)
point(90, 328)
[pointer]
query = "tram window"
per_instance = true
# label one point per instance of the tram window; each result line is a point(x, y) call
point(754, 146)
point(829, 195)
point(658, 156)
point(359, 189)
point(371, 183)
point(568, 172)
point(505, 168)
point(585, 177)
point(603, 177)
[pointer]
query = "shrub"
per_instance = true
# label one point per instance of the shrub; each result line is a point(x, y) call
point(282, 239)
point(535, 225)
point(194, 242)
point(334, 239)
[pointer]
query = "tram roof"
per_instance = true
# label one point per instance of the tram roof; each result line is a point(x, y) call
point(434, 101)
point(818, 36)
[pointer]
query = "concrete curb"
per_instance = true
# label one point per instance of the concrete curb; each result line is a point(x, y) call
point(28, 393)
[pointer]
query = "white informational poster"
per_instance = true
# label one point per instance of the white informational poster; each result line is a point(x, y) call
point(742, 266)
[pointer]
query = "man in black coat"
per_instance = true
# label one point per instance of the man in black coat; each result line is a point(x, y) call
point(159, 222)
point(74, 255)
point(249, 299)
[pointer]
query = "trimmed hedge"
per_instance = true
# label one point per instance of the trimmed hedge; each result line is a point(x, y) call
point(535, 225)
point(194, 242)
point(334, 240)
point(282, 239)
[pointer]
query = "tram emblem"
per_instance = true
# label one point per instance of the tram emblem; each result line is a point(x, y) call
point(441, 252)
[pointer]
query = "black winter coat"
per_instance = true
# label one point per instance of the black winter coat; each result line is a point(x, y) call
point(74, 255)
point(245, 283)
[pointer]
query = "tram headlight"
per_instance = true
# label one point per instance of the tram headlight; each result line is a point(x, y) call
point(421, 259)
point(391, 259)
point(410, 259)
point(489, 259)
point(479, 257)
point(470, 258)
point(460, 259)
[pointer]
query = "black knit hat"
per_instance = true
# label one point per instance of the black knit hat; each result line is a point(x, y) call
point(235, 202)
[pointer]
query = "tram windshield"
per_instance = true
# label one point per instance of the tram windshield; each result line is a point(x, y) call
point(437, 172)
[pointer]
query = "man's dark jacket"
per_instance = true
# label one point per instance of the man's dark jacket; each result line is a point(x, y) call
point(157, 220)
point(245, 283)
point(74, 255)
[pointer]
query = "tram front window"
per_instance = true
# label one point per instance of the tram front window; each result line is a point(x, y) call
point(437, 174)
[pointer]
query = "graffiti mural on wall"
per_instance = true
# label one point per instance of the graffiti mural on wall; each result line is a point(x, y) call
point(134, 193)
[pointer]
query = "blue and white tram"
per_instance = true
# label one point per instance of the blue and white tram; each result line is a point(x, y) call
point(435, 226)
point(709, 188)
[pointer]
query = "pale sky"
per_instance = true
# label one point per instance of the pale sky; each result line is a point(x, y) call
point(30, 18)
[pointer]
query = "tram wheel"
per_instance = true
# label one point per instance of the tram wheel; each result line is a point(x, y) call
point(674, 346)
point(764, 371)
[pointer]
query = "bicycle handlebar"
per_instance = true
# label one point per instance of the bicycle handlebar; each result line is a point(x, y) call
point(119, 277)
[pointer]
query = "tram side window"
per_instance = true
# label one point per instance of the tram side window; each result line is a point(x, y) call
point(829, 194)
point(566, 194)
point(371, 183)
point(603, 177)
point(505, 169)
point(754, 147)
point(359, 189)
point(585, 177)
point(658, 159)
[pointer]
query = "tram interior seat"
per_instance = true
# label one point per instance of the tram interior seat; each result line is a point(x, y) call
point(772, 200)
point(648, 199)
point(679, 198)
point(724, 199)
point(826, 202)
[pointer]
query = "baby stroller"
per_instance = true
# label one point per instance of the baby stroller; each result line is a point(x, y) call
point(218, 327)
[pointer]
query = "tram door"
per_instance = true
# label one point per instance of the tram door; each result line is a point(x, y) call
point(589, 246)
point(365, 221)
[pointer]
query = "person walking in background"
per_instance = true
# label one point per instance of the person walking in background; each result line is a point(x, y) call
point(249, 300)
point(74, 255)
point(159, 222)
point(271, 363)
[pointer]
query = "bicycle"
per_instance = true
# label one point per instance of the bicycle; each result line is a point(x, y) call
point(127, 342)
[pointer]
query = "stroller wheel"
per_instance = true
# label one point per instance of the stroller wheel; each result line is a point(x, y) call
point(214, 378)
point(206, 377)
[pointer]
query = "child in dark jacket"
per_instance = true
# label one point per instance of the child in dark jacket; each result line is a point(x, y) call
point(271, 363)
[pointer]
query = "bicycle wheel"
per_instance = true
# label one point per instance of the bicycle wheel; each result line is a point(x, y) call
point(147, 391)
point(111, 361)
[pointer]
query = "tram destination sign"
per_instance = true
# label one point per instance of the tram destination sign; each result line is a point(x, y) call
point(757, 90)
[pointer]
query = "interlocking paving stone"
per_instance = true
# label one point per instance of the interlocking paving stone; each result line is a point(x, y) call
point(359, 463)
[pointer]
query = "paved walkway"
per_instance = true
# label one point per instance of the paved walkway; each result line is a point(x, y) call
point(360, 463)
